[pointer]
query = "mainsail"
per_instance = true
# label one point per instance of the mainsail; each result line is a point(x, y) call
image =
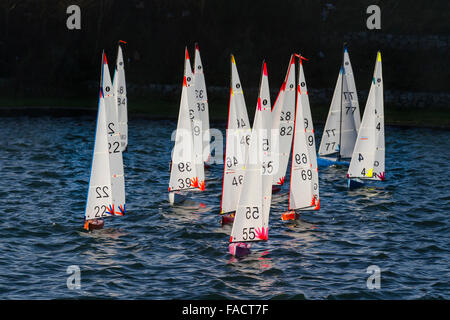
point(368, 159)
point(196, 121)
point(283, 121)
point(304, 187)
point(252, 215)
point(184, 174)
point(106, 193)
point(201, 103)
point(238, 140)
point(341, 128)
point(120, 93)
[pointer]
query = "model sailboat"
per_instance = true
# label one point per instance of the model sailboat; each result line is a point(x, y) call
point(120, 93)
point(304, 183)
point(187, 171)
point(368, 159)
point(238, 140)
point(106, 193)
point(341, 129)
point(201, 104)
point(251, 222)
point(283, 121)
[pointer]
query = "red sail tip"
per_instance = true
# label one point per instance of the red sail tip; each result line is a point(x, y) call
point(293, 59)
point(317, 205)
point(187, 54)
point(104, 59)
point(265, 69)
point(196, 46)
point(121, 41)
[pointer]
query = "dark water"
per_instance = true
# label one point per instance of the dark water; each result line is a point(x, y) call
point(160, 252)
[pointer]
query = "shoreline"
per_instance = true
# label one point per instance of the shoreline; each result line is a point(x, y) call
point(61, 111)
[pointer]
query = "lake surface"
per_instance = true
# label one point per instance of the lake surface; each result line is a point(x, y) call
point(161, 252)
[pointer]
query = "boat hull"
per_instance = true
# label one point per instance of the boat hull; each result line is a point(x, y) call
point(354, 183)
point(227, 218)
point(94, 224)
point(276, 189)
point(326, 162)
point(290, 215)
point(239, 249)
point(176, 198)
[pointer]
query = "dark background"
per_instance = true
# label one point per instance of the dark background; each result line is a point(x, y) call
point(41, 58)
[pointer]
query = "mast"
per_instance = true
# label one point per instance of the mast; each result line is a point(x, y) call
point(340, 115)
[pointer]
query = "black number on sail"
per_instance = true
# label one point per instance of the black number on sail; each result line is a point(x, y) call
point(328, 144)
point(251, 212)
point(191, 114)
point(250, 234)
point(328, 132)
point(311, 140)
point(306, 123)
point(111, 130)
point(230, 162)
point(201, 106)
point(286, 131)
point(184, 183)
point(184, 166)
point(350, 108)
point(245, 139)
point(99, 209)
point(120, 101)
point(115, 145)
point(379, 126)
point(301, 158)
point(306, 174)
point(240, 123)
point(199, 94)
point(360, 157)
point(102, 192)
point(287, 116)
point(265, 144)
point(363, 172)
point(267, 167)
point(196, 130)
point(237, 181)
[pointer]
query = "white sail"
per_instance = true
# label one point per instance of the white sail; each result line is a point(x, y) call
point(329, 145)
point(283, 121)
point(237, 142)
point(351, 90)
point(251, 221)
point(368, 159)
point(99, 192)
point(183, 173)
point(201, 103)
point(115, 150)
point(196, 121)
point(120, 93)
point(341, 129)
point(304, 123)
